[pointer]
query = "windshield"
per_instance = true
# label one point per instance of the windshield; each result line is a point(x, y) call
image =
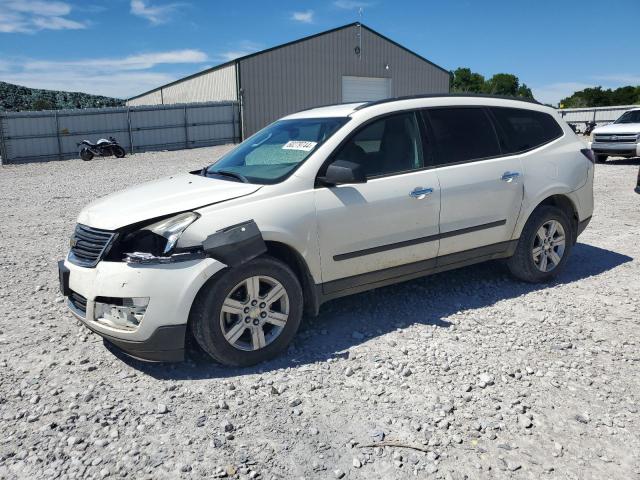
point(629, 117)
point(276, 151)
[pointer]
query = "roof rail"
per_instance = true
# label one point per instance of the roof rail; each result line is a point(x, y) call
point(439, 95)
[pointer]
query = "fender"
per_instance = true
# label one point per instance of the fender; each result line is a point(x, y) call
point(528, 208)
point(236, 244)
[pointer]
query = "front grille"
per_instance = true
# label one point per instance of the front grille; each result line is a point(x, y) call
point(78, 302)
point(612, 138)
point(88, 245)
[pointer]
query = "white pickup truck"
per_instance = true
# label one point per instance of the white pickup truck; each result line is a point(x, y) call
point(618, 139)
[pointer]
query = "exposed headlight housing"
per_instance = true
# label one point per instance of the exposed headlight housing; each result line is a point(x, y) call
point(171, 229)
point(156, 240)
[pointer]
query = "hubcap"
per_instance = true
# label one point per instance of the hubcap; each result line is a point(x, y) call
point(548, 246)
point(254, 313)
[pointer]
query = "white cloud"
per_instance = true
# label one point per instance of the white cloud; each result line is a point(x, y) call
point(303, 17)
point(117, 77)
point(350, 4)
point(154, 14)
point(119, 85)
point(241, 49)
point(142, 61)
point(30, 16)
point(621, 79)
point(48, 9)
point(554, 92)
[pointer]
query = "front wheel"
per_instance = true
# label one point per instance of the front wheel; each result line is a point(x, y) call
point(543, 247)
point(118, 151)
point(249, 313)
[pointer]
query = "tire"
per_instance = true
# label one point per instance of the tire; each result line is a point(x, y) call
point(601, 158)
point(86, 154)
point(209, 323)
point(524, 264)
point(118, 151)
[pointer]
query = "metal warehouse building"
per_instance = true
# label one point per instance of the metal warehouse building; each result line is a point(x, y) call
point(346, 64)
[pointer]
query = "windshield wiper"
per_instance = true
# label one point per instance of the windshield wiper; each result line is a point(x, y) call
point(227, 173)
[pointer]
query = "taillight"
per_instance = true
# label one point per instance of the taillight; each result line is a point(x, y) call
point(587, 152)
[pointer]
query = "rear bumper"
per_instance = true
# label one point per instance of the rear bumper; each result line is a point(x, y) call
point(583, 225)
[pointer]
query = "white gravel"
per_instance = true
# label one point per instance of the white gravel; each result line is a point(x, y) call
point(488, 377)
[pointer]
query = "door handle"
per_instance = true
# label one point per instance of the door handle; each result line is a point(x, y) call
point(509, 176)
point(420, 192)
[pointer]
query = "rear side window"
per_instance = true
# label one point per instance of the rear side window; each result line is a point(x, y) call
point(462, 134)
point(522, 130)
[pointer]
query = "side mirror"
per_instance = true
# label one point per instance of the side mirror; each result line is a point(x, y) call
point(343, 171)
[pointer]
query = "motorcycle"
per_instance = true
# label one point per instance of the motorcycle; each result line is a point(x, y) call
point(102, 148)
point(589, 126)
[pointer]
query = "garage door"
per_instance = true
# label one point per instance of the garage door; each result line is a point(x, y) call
point(362, 89)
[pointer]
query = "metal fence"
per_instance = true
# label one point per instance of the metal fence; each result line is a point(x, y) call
point(600, 115)
point(53, 135)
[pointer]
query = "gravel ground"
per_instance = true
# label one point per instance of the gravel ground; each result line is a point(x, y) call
point(485, 376)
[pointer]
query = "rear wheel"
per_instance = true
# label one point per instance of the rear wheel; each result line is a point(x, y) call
point(118, 151)
point(601, 158)
point(86, 154)
point(249, 313)
point(543, 248)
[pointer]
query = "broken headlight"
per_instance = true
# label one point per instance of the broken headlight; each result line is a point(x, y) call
point(157, 240)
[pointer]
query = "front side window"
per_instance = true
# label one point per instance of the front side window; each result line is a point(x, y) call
point(276, 151)
point(522, 130)
point(462, 134)
point(629, 117)
point(386, 146)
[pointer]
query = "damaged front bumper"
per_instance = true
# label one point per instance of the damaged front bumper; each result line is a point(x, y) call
point(141, 308)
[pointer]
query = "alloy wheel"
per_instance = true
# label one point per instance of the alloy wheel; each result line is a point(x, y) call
point(548, 246)
point(254, 313)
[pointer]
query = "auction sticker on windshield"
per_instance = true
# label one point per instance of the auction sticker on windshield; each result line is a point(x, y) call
point(299, 145)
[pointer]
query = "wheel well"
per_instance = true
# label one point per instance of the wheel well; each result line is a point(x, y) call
point(294, 260)
point(565, 204)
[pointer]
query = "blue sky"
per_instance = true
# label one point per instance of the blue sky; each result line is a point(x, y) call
point(124, 47)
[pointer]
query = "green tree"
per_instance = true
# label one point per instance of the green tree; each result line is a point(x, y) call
point(503, 84)
point(463, 80)
point(524, 91)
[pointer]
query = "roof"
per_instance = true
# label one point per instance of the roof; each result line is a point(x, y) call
point(303, 39)
point(347, 109)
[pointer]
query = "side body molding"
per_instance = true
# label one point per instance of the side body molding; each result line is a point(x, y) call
point(236, 244)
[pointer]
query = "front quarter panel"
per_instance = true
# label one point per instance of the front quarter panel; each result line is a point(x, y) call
point(284, 213)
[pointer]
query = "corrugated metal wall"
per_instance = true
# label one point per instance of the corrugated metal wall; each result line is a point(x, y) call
point(598, 114)
point(49, 135)
point(151, 98)
point(309, 73)
point(214, 86)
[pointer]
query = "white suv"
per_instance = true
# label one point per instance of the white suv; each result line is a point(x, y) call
point(325, 203)
point(618, 139)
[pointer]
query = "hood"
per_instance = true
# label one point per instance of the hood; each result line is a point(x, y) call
point(618, 128)
point(165, 196)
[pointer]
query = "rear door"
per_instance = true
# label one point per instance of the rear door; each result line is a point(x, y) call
point(481, 190)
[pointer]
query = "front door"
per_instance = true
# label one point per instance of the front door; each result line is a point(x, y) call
point(390, 221)
point(481, 190)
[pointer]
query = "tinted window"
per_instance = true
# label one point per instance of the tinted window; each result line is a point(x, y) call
point(386, 146)
point(525, 129)
point(462, 134)
point(629, 117)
